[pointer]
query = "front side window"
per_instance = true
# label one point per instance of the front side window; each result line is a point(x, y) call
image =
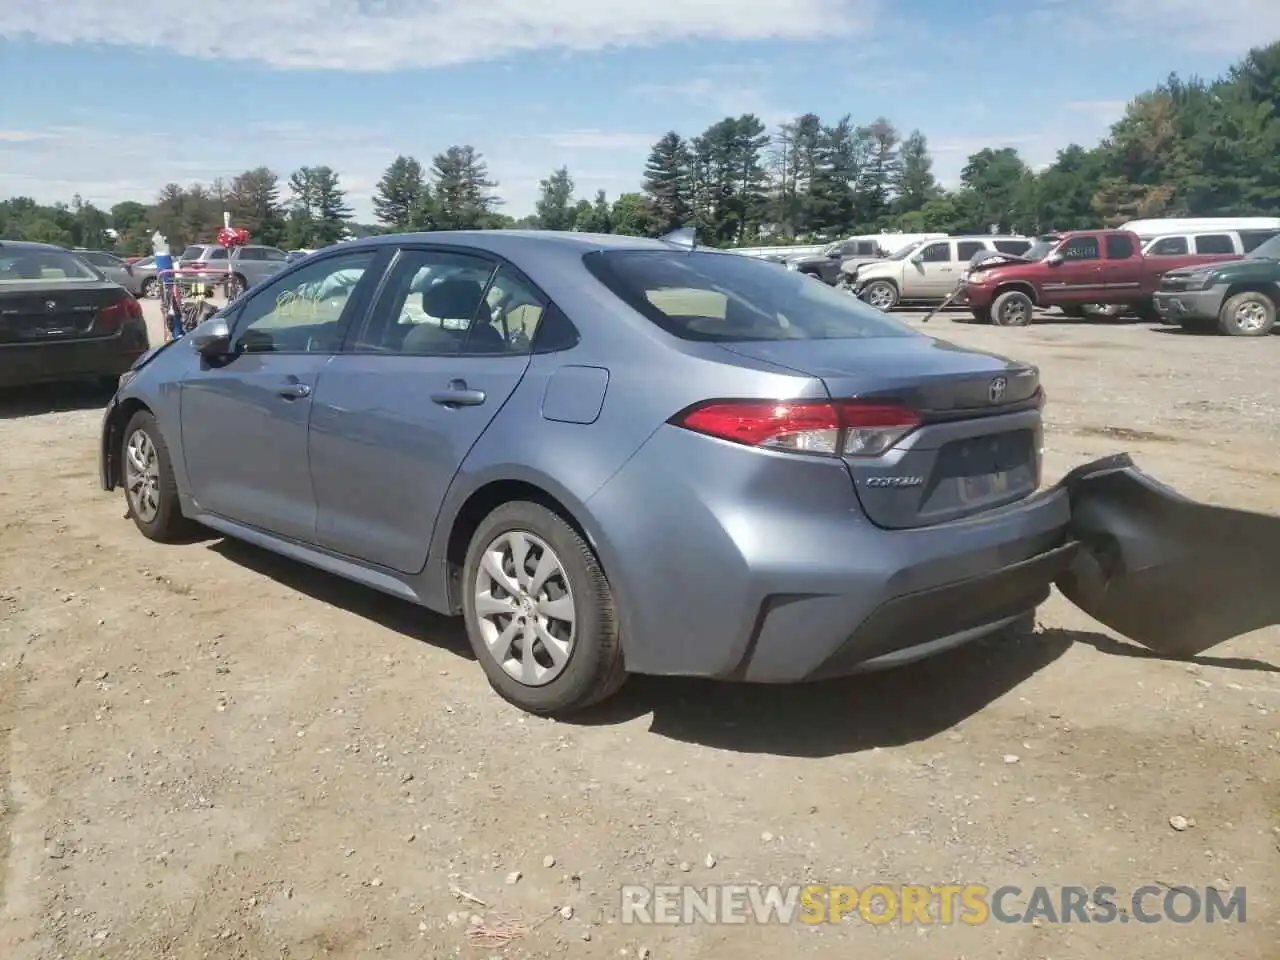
point(936, 253)
point(302, 312)
point(722, 297)
point(1169, 247)
point(1080, 248)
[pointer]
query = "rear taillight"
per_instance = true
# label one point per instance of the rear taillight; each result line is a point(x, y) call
point(1041, 399)
point(111, 318)
point(849, 428)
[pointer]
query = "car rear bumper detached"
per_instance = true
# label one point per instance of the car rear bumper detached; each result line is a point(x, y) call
point(1189, 304)
point(25, 364)
point(767, 571)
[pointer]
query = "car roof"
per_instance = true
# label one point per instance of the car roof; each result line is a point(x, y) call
point(30, 245)
point(514, 243)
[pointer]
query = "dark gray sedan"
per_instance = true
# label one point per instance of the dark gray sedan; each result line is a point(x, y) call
point(615, 455)
point(60, 319)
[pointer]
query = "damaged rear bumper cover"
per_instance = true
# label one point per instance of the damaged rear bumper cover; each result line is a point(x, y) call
point(1171, 574)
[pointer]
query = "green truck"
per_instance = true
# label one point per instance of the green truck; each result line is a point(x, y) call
point(1235, 297)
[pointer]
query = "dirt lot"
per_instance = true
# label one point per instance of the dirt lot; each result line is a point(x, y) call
point(209, 752)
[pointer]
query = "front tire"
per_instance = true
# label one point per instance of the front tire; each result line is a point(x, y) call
point(1248, 314)
point(540, 613)
point(1012, 309)
point(150, 490)
point(881, 294)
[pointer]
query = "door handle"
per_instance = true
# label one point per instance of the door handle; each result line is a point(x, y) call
point(294, 391)
point(458, 394)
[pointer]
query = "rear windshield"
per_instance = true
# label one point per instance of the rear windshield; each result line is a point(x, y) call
point(728, 298)
point(43, 266)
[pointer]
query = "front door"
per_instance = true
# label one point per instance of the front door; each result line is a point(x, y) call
point(244, 420)
point(1078, 277)
point(397, 412)
point(933, 274)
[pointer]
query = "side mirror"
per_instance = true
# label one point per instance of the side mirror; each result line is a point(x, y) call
point(212, 339)
point(1054, 259)
point(917, 258)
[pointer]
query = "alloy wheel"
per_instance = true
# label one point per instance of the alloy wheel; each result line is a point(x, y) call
point(524, 604)
point(142, 476)
point(1251, 316)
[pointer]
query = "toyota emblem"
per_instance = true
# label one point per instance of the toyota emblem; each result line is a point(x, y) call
point(997, 389)
point(51, 305)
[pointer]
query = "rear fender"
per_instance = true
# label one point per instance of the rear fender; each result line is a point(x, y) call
point(1172, 574)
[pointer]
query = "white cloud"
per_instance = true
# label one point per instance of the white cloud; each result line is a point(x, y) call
point(390, 35)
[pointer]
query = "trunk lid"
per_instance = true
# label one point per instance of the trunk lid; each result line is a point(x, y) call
point(978, 446)
point(55, 313)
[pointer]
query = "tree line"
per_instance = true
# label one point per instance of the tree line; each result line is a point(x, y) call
point(1187, 147)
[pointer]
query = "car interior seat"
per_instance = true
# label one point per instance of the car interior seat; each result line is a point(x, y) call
point(449, 300)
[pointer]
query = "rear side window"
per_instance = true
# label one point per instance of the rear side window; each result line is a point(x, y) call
point(867, 249)
point(967, 248)
point(1214, 243)
point(722, 297)
point(1016, 247)
point(216, 253)
point(1119, 247)
point(250, 253)
point(1169, 247)
point(1252, 239)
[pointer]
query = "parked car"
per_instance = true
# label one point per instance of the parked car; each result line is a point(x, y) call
point(145, 279)
point(809, 488)
point(236, 270)
point(1253, 230)
point(61, 319)
point(837, 259)
point(1238, 298)
point(109, 265)
point(926, 272)
point(1072, 270)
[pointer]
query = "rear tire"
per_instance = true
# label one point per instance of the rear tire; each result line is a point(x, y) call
point(1012, 309)
point(515, 648)
point(150, 490)
point(148, 288)
point(1248, 314)
point(881, 294)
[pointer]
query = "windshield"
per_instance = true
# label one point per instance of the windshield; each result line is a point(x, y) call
point(727, 298)
point(1267, 251)
point(44, 266)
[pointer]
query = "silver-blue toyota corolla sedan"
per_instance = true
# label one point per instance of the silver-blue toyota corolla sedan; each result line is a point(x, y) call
point(616, 455)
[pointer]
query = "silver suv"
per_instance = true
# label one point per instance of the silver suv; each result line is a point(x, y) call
point(236, 270)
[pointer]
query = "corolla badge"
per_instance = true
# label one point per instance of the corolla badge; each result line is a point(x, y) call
point(997, 390)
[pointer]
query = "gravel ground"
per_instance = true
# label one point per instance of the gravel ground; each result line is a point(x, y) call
point(206, 751)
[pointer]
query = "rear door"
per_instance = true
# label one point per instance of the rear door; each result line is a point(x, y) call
point(1122, 267)
point(397, 412)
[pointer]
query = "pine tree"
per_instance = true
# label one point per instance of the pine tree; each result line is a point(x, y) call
point(398, 197)
point(554, 209)
point(668, 184)
point(462, 190)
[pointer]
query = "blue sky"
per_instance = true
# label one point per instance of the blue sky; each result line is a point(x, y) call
point(113, 100)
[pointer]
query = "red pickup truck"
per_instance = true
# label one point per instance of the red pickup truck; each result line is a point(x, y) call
point(1070, 270)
